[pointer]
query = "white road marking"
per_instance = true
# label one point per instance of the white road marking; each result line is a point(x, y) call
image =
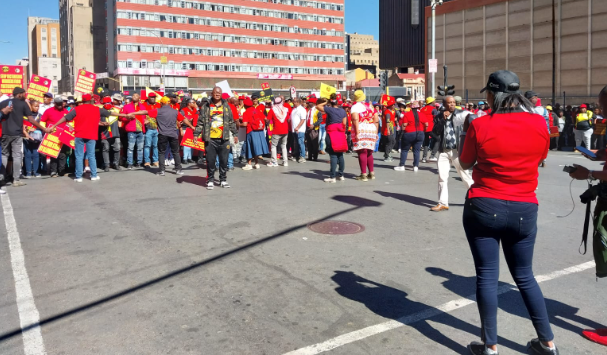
point(28, 313)
point(416, 317)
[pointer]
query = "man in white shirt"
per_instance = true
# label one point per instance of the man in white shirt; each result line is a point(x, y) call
point(298, 127)
point(46, 104)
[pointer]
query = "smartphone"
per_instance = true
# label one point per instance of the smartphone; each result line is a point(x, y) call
point(569, 169)
point(586, 152)
point(10, 103)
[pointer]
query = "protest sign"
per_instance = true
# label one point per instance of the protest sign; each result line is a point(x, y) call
point(85, 83)
point(264, 95)
point(11, 76)
point(188, 140)
point(51, 145)
point(37, 87)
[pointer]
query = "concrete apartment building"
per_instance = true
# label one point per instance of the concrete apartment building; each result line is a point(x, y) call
point(44, 49)
point(362, 51)
point(247, 42)
point(476, 38)
point(76, 22)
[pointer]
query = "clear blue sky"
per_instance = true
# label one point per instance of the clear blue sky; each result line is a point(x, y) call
point(362, 16)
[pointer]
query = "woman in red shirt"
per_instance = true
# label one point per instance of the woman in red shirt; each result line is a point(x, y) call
point(279, 118)
point(414, 125)
point(501, 206)
point(189, 118)
point(255, 146)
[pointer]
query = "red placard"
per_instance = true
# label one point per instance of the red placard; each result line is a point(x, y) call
point(265, 86)
point(38, 87)
point(85, 83)
point(188, 140)
point(67, 137)
point(11, 76)
point(51, 145)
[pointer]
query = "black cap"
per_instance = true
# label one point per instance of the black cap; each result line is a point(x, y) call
point(503, 81)
point(48, 94)
point(172, 95)
point(58, 100)
point(17, 91)
point(529, 94)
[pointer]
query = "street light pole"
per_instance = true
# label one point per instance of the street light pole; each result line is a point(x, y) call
point(434, 4)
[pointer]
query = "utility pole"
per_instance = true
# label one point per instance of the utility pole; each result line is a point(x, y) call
point(434, 4)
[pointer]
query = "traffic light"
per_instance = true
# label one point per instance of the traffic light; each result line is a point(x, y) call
point(446, 90)
point(383, 80)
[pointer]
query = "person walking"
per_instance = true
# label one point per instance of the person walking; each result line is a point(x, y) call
point(298, 126)
point(87, 120)
point(502, 208)
point(583, 127)
point(255, 122)
point(365, 125)
point(216, 122)
point(279, 119)
point(414, 126)
point(312, 128)
point(427, 113)
point(190, 119)
point(388, 126)
point(448, 127)
point(336, 137)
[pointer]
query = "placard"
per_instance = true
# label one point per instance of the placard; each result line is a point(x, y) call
point(265, 86)
point(85, 83)
point(51, 145)
point(225, 87)
point(67, 137)
point(265, 95)
point(11, 76)
point(37, 87)
point(326, 90)
point(188, 140)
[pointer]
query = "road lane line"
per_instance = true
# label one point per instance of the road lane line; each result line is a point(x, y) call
point(28, 313)
point(416, 317)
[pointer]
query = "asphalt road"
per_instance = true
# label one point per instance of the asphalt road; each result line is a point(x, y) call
point(141, 264)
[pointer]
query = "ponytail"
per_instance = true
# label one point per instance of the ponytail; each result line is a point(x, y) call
point(416, 115)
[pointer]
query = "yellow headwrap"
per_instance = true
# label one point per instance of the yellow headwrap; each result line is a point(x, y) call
point(359, 96)
point(165, 100)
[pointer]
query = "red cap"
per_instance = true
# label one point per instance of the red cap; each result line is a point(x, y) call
point(340, 102)
point(312, 99)
point(87, 97)
point(152, 94)
point(225, 96)
point(247, 102)
point(583, 106)
point(106, 100)
point(242, 97)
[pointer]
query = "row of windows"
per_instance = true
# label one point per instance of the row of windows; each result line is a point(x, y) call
point(228, 67)
point(218, 52)
point(192, 4)
point(259, 12)
point(209, 21)
point(129, 31)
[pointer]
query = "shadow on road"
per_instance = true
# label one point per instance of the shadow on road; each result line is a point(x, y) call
point(194, 180)
point(557, 311)
point(354, 201)
point(392, 303)
point(414, 200)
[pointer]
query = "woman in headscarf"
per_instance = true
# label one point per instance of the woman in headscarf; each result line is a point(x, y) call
point(278, 118)
point(255, 121)
point(365, 125)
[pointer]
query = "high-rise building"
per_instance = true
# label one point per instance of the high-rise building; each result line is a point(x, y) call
point(247, 42)
point(44, 49)
point(362, 51)
point(76, 23)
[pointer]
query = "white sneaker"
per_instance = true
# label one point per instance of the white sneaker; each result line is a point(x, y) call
point(96, 178)
point(415, 169)
point(2, 192)
point(302, 160)
point(78, 180)
point(172, 161)
point(225, 184)
point(330, 180)
point(247, 167)
point(432, 159)
point(286, 163)
point(271, 165)
point(399, 168)
point(210, 185)
point(87, 169)
point(341, 178)
point(257, 166)
point(166, 162)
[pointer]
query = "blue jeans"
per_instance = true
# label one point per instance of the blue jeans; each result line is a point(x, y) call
point(408, 140)
point(81, 155)
point(187, 153)
point(134, 138)
point(377, 142)
point(32, 157)
point(151, 141)
point(301, 138)
point(488, 222)
point(321, 136)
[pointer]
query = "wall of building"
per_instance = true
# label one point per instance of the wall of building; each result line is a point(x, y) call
point(75, 18)
point(50, 68)
point(362, 50)
point(33, 39)
point(476, 38)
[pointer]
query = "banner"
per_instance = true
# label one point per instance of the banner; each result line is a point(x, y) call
point(188, 140)
point(85, 82)
point(50, 145)
point(326, 90)
point(265, 86)
point(11, 76)
point(37, 88)
point(67, 137)
point(275, 76)
point(265, 95)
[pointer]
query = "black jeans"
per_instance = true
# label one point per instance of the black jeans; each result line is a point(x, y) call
point(390, 141)
point(165, 142)
point(58, 164)
point(488, 222)
point(313, 145)
point(217, 147)
point(115, 144)
point(336, 158)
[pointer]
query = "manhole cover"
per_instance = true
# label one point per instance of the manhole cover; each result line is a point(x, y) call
point(336, 227)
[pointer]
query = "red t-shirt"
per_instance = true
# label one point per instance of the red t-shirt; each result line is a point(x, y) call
point(279, 127)
point(507, 164)
point(409, 119)
point(425, 115)
point(190, 114)
point(247, 117)
point(86, 121)
point(52, 116)
point(388, 121)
